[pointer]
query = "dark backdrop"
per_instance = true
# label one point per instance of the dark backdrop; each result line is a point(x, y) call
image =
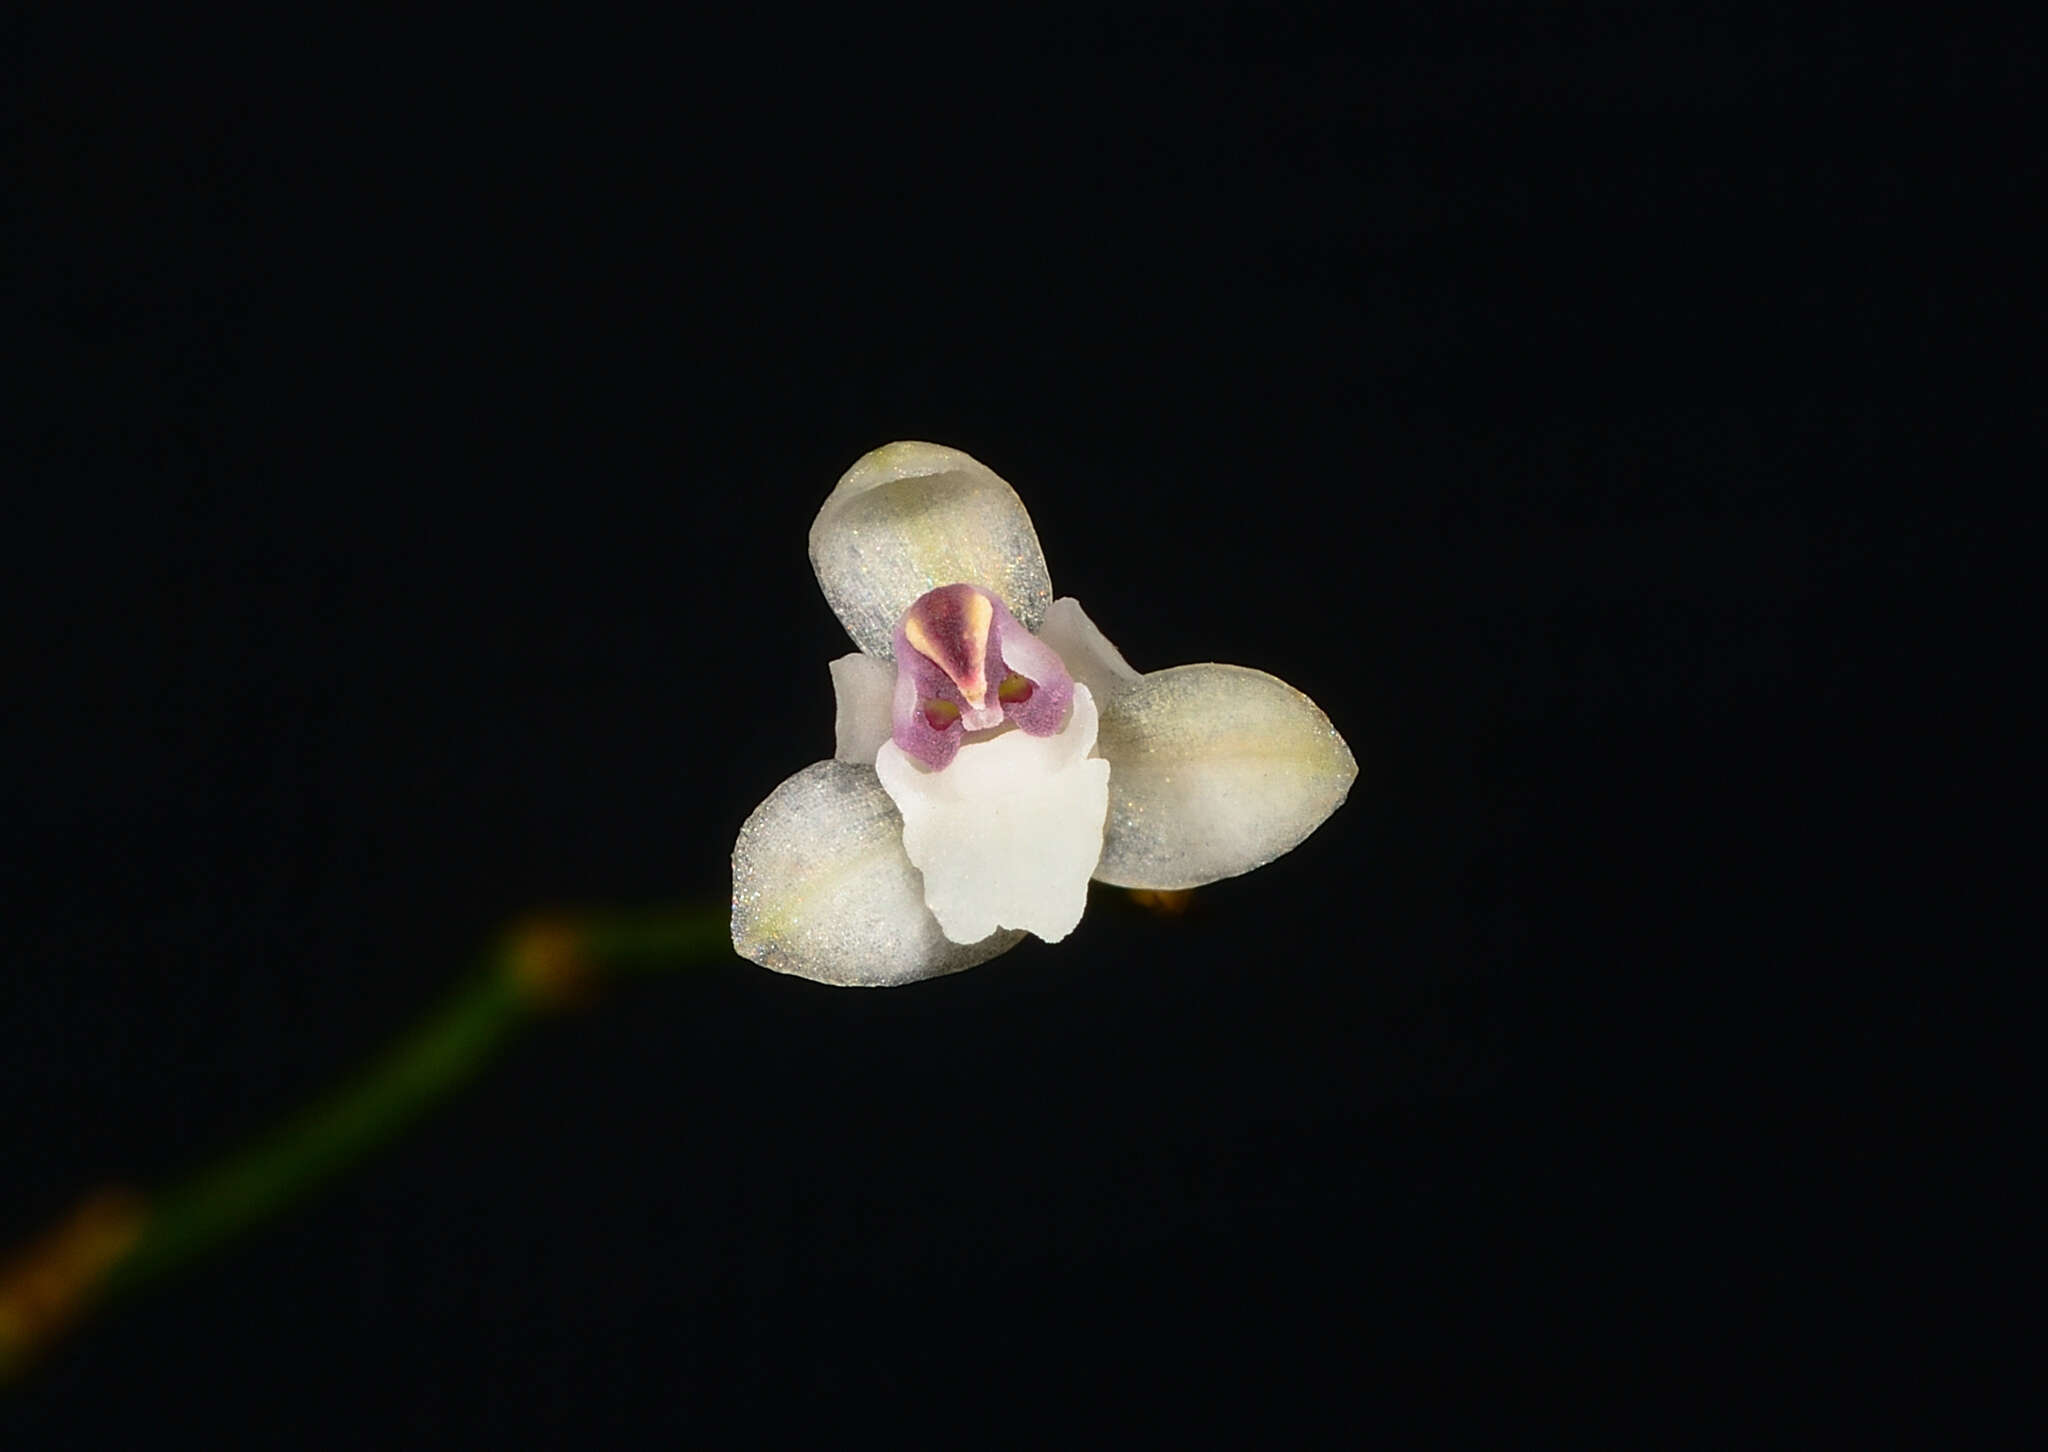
point(406, 529)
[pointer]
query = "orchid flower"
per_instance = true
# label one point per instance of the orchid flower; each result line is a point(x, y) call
point(995, 752)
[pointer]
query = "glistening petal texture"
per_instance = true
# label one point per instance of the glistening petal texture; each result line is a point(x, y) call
point(1085, 650)
point(821, 888)
point(910, 517)
point(1007, 835)
point(862, 689)
point(1214, 770)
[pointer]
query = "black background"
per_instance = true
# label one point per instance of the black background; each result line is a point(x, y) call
point(406, 531)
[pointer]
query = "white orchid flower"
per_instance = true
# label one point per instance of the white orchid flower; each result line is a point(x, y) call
point(995, 752)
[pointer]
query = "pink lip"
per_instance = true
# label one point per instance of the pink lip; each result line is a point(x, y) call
point(967, 638)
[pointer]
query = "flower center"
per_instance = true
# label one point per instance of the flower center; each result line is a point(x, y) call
point(964, 665)
point(949, 627)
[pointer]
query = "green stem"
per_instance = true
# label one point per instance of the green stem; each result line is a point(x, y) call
point(437, 1056)
point(191, 1218)
point(638, 943)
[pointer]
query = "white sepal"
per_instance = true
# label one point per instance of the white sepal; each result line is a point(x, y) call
point(821, 888)
point(1215, 770)
point(910, 517)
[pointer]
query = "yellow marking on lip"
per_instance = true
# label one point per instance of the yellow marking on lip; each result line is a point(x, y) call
point(975, 621)
point(914, 632)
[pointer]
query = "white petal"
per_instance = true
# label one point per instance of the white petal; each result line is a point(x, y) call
point(862, 689)
point(1214, 770)
point(910, 517)
point(1008, 834)
point(1086, 652)
point(821, 888)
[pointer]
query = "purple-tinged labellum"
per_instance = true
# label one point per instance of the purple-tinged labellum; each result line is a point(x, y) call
point(965, 664)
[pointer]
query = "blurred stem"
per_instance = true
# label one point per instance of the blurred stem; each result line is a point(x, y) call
point(450, 1046)
point(119, 1242)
